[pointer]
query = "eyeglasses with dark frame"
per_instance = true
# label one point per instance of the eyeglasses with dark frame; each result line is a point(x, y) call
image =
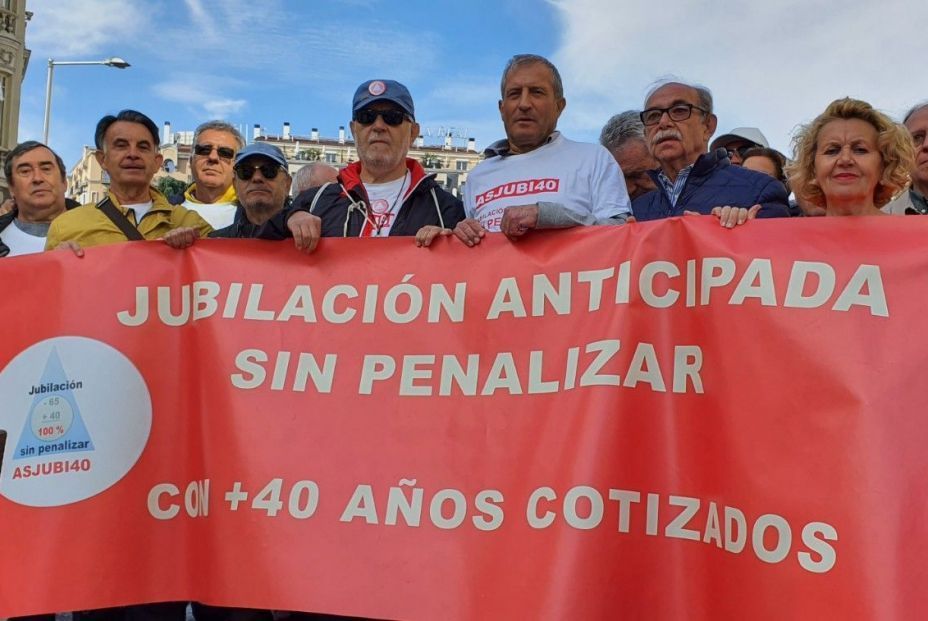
point(224, 153)
point(676, 112)
point(391, 117)
point(268, 171)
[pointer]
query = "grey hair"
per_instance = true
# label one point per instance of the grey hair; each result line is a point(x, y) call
point(308, 176)
point(916, 108)
point(621, 128)
point(703, 94)
point(520, 60)
point(220, 126)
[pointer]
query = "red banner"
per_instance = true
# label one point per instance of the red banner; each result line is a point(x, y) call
point(662, 420)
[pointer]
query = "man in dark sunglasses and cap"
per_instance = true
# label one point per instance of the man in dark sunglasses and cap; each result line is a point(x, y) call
point(261, 182)
point(384, 193)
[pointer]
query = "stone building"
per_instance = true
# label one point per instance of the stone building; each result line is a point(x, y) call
point(450, 163)
point(13, 60)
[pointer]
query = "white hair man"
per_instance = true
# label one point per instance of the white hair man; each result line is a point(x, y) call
point(623, 137)
point(679, 121)
point(313, 175)
point(914, 200)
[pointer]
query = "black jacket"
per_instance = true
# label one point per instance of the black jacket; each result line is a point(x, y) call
point(242, 227)
point(343, 206)
point(5, 221)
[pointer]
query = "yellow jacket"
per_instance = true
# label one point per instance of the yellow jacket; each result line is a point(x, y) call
point(89, 226)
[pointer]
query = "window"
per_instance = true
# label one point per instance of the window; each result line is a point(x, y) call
point(461, 165)
point(331, 158)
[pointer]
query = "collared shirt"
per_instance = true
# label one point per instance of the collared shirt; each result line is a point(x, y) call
point(674, 188)
point(919, 202)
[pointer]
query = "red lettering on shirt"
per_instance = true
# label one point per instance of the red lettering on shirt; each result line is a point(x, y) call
point(517, 188)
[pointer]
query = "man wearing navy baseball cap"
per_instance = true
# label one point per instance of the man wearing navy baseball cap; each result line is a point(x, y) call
point(262, 186)
point(384, 193)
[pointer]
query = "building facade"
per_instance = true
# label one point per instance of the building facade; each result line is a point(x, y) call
point(450, 163)
point(14, 57)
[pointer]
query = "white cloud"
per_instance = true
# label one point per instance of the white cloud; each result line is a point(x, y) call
point(223, 108)
point(67, 28)
point(772, 65)
point(202, 19)
point(203, 93)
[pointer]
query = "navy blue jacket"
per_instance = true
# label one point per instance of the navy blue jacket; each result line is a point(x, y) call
point(714, 182)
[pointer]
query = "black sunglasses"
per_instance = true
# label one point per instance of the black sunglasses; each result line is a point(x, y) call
point(391, 117)
point(226, 153)
point(268, 171)
point(741, 151)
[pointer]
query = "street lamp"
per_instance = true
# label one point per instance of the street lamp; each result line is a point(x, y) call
point(115, 61)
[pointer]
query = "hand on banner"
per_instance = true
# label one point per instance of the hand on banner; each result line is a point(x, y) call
point(306, 229)
point(73, 246)
point(519, 220)
point(729, 216)
point(428, 233)
point(469, 231)
point(182, 237)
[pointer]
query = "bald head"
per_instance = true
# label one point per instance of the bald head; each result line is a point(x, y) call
point(313, 175)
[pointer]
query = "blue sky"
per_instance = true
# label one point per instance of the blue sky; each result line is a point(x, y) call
point(770, 64)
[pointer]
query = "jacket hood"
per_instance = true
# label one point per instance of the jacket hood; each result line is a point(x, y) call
point(350, 176)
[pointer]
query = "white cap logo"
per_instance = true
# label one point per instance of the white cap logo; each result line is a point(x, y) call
point(376, 88)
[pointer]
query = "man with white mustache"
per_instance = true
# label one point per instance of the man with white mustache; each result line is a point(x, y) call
point(679, 122)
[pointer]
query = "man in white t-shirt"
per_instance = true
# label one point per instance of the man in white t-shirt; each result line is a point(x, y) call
point(212, 193)
point(37, 179)
point(537, 178)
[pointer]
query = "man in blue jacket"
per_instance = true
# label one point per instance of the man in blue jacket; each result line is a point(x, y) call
point(679, 122)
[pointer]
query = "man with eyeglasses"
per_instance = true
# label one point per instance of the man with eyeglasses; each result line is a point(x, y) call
point(535, 177)
point(678, 123)
point(212, 194)
point(384, 193)
point(127, 149)
point(739, 141)
point(914, 200)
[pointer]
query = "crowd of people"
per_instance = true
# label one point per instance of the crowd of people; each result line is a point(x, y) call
point(653, 163)
point(851, 160)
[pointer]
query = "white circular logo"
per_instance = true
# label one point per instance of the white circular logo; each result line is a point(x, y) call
point(376, 88)
point(77, 415)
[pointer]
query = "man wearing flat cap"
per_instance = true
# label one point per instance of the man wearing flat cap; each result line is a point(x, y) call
point(384, 193)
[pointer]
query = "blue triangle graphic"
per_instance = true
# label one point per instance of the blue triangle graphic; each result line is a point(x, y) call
point(54, 425)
